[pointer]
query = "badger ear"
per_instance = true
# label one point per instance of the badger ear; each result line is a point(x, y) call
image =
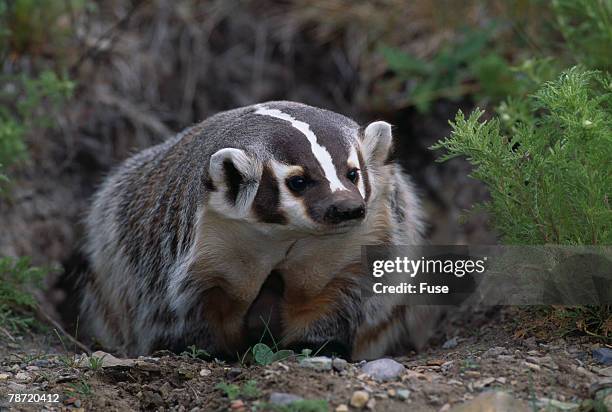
point(377, 142)
point(236, 175)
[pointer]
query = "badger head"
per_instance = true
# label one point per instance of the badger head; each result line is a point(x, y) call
point(299, 169)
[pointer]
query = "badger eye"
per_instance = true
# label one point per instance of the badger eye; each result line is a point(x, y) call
point(297, 183)
point(352, 175)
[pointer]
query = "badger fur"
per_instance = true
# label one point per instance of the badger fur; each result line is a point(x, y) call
point(255, 213)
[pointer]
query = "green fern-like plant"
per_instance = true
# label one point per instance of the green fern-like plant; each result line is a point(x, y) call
point(17, 304)
point(546, 160)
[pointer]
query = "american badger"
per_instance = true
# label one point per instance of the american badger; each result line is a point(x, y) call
point(252, 219)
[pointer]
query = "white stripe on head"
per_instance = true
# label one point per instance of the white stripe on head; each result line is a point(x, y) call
point(319, 152)
point(353, 161)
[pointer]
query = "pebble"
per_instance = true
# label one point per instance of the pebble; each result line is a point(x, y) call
point(392, 393)
point(109, 361)
point(532, 366)
point(22, 376)
point(233, 373)
point(282, 398)
point(4, 376)
point(494, 352)
point(359, 399)
point(342, 408)
point(445, 408)
point(147, 366)
point(403, 394)
point(451, 343)
point(205, 372)
point(605, 371)
point(483, 382)
point(339, 364)
point(42, 363)
point(237, 405)
point(603, 355)
point(371, 404)
point(320, 363)
point(383, 369)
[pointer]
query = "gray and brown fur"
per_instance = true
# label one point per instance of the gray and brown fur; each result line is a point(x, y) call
point(193, 241)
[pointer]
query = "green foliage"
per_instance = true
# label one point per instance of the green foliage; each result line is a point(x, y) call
point(17, 304)
point(586, 26)
point(95, 362)
point(196, 353)
point(38, 26)
point(264, 355)
point(247, 391)
point(30, 102)
point(544, 160)
point(468, 65)
point(82, 387)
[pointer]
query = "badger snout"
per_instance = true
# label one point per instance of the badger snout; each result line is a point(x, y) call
point(345, 209)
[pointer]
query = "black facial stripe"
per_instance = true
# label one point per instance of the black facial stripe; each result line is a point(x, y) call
point(364, 175)
point(233, 179)
point(266, 204)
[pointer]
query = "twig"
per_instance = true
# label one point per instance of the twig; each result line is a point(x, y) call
point(109, 34)
point(59, 328)
point(7, 333)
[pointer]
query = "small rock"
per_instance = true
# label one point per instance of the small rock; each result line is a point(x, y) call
point(320, 363)
point(109, 361)
point(371, 404)
point(403, 394)
point(359, 399)
point(494, 352)
point(342, 408)
point(605, 372)
point(205, 372)
point(532, 366)
point(501, 380)
point(493, 401)
point(603, 355)
point(165, 389)
point(22, 376)
point(383, 369)
point(445, 408)
point(237, 405)
point(147, 366)
point(281, 398)
point(186, 372)
point(392, 393)
point(66, 378)
point(435, 362)
point(483, 382)
point(339, 364)
point(77, 403)
point(32, 368)
point(472, 374)
point(42, 363)
point(151, 398)
point(233, 373)
point(451, 343)
point(4, 376)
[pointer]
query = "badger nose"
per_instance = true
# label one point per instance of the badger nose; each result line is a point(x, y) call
point(344, 210)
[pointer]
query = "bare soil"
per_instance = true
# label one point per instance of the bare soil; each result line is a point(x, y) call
point(488, 356)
